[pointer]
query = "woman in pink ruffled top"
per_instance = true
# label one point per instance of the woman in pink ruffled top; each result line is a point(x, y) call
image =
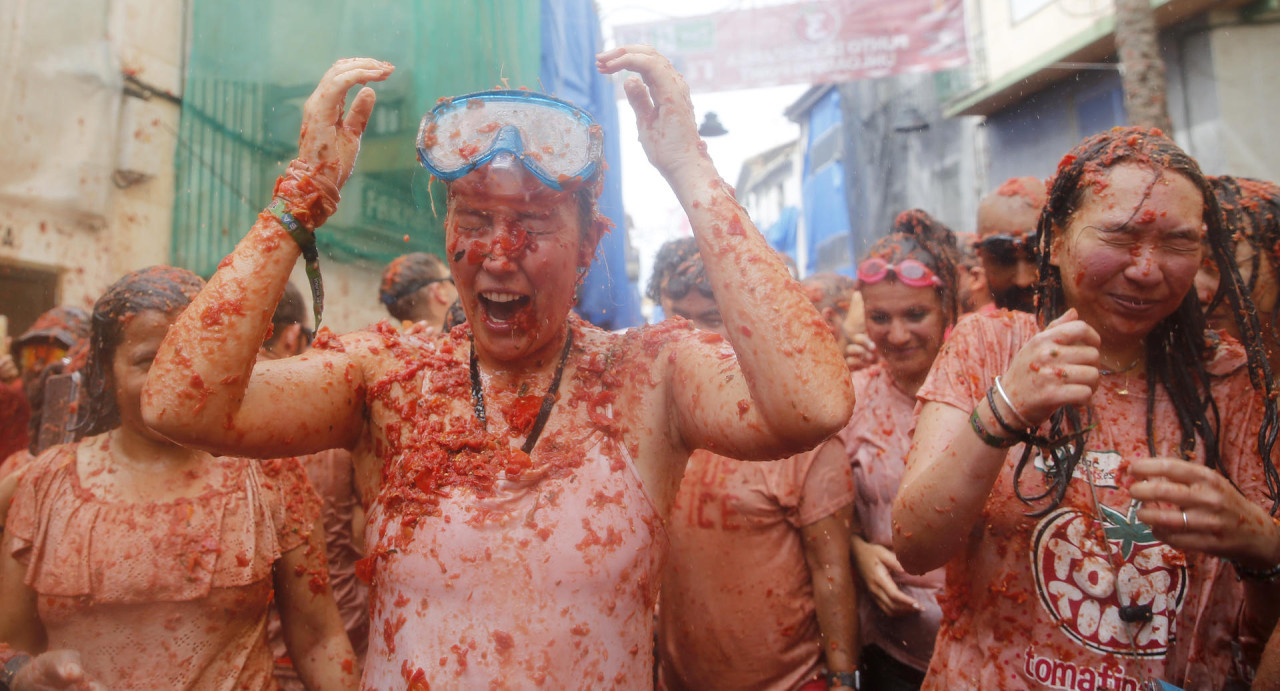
point(144, 564)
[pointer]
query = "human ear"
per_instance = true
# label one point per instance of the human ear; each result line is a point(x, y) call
point(1057, 244)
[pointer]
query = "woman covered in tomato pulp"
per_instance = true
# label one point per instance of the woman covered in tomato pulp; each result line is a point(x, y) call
point(1102, 550)
point(142, 564)
point(519, 468)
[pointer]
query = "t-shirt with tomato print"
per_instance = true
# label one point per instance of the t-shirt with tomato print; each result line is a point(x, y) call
point(1035, 602)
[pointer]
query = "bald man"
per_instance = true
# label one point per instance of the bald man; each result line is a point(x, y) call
point(1006, 241)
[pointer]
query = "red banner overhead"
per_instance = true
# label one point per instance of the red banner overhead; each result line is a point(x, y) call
point(809, 42)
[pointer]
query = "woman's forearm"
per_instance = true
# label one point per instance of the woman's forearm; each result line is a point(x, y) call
point(202, 370)
point(826, 544)
point(950, 473)
point(310, 622)
point(792, 365)
point(328, 664)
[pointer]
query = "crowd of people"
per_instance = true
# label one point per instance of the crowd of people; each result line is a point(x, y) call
point(1040, 455)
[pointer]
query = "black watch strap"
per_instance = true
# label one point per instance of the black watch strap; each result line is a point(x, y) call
point(11, 668)
point(852, 679)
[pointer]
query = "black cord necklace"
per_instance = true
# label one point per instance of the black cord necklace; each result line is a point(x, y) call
point(548, 399)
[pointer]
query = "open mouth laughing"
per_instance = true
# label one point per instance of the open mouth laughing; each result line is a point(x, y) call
point(503, 308)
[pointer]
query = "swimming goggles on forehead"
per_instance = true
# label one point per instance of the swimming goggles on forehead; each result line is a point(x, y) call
point(556, 141)
point(1007, 249)
point(910, 272)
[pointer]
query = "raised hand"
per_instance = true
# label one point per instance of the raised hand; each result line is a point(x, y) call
point(329, 142)
point(1057, 367)
point(1191, 507)
point(664, 112)
point(860, 353)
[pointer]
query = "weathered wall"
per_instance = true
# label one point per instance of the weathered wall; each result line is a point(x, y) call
point(88, 181)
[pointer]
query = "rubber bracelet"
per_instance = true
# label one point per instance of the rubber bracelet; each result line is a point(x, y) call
point(1005, 397)
point(988, 438)
point(1015, 432)
point(306, 240)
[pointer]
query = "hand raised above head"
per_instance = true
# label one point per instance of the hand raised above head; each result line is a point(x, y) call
point(664, 111)
point(329, 142)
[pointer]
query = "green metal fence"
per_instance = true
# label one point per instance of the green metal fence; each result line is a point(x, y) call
point(253, 63)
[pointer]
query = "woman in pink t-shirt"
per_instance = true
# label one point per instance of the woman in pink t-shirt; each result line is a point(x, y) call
point(908, 282)
point(155, 564)
point(1099, 551)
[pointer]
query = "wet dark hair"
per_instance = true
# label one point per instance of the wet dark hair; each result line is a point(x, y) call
point(1178, 347)
point(405, 275)
point(919, 236)
point(678, 269)
point(455, 316)
point(1251, 210)
point(163, 289)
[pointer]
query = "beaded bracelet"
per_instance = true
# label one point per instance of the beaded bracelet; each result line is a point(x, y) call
point(1245, 573)
point(306, 240)
point(988, 438)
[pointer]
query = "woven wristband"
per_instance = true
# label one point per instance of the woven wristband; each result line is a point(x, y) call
point(306, 241)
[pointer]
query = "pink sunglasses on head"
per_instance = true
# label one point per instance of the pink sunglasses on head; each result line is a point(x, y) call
point(910, 271)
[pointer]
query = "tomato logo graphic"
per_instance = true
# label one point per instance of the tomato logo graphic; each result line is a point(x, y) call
point(1083, 592)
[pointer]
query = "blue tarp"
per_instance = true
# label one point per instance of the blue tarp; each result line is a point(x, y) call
point(826, 213)
point(570, 41)
point(782, 234)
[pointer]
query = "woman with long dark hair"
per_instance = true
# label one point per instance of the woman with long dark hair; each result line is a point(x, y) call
point(1252, 232)
point(154, 562)
point(1097, 475)
point(909, 284)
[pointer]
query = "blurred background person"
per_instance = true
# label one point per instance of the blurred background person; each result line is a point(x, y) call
point(679, 285)
point(758, 591)
point(331, 474)
point(417, 287)
point(909, 284)
point(971, 277)
point(1252, 230)
point(43, 346)
point(1006, 241)
point(155, 562)
point(831, 293)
